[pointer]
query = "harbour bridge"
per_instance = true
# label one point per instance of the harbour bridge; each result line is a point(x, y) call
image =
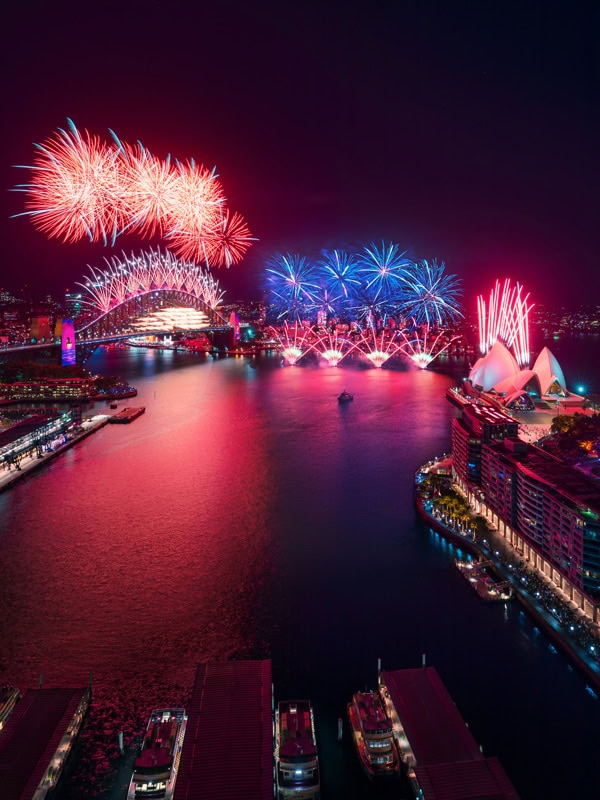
point(150, 294)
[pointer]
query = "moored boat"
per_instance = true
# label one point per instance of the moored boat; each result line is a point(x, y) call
point(373, 735)
point(155, 768)
point(296, 756)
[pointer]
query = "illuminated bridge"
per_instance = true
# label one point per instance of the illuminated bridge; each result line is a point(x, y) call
point(150, 293)
point(153, 293)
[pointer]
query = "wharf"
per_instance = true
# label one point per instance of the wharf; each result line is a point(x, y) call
point(127, 415)
point(31, 464)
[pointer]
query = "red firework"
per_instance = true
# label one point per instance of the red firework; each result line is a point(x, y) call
point(76, 189)
point(83, 187)
point(228, 243)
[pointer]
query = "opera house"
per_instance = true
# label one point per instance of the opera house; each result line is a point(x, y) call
point(499, 376)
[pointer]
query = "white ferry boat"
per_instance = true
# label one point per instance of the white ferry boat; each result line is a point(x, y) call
point(296, 757)
point(373, 735)
point(155, 768)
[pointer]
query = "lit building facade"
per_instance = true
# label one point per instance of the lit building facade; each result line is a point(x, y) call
point(550, 506)
point(49, 389)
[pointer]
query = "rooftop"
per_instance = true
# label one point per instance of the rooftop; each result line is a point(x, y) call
point(228, 747)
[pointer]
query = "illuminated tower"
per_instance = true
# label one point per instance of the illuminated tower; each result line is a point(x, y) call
point(68, 349)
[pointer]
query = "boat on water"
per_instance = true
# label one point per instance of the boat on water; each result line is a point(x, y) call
point(475, 572)
point(373, 735)
point(345, 397)
point(296, 757)
point(155, 768)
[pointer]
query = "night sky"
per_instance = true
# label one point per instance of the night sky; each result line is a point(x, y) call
point(467, 132)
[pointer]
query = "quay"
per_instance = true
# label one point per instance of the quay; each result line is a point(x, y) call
point(507, 562)
point(30, 464)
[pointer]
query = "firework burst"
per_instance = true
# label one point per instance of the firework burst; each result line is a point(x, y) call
point(76, 189)
point(82, 186)
point(430, 296)
point(292, 282)
point(382, 270)
point(339, 271)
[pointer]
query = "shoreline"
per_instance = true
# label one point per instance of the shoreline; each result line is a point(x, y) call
point(543, 618)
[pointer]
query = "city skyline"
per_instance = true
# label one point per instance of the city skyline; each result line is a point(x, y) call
point(465, 134)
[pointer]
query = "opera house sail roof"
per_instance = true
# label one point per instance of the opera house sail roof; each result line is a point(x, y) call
point(499, 372)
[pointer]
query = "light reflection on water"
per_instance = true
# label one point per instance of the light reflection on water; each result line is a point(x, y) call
point(247, 514)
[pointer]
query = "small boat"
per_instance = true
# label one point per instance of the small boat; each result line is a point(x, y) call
point(373, 735)
point(155, 768)
point(345, 397)
point(296, 757)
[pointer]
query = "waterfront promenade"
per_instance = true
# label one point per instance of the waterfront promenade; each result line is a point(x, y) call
point(31, 463)
point(567, 625)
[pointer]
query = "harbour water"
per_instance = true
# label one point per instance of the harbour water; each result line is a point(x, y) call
point(247, 514)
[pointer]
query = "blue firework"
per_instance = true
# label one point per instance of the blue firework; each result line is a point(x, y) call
point(291, 283)
point(430, 295)
point(339, 272)
point(382, 270)
point(368, 307)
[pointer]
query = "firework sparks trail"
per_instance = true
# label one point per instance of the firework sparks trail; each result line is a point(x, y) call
point(378, 348)
point(430, 296)
point(420, 349)
point(292, 343)
point(505, 319)
point(83, 187)
point(292, 283)
point(132, 276)
point(332, 347)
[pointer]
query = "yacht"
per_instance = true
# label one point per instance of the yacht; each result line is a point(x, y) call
point(373, 735)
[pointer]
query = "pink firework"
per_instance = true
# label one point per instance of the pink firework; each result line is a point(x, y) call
point(421, 349)
point(292, 343)
point(332, 348)
point(378, 348)
point(77, 189)
point(505, 319)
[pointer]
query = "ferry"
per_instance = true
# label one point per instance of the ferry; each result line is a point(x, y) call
point(373, 735)
point(296, 758)
point(345, 397)
point(155, 768)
